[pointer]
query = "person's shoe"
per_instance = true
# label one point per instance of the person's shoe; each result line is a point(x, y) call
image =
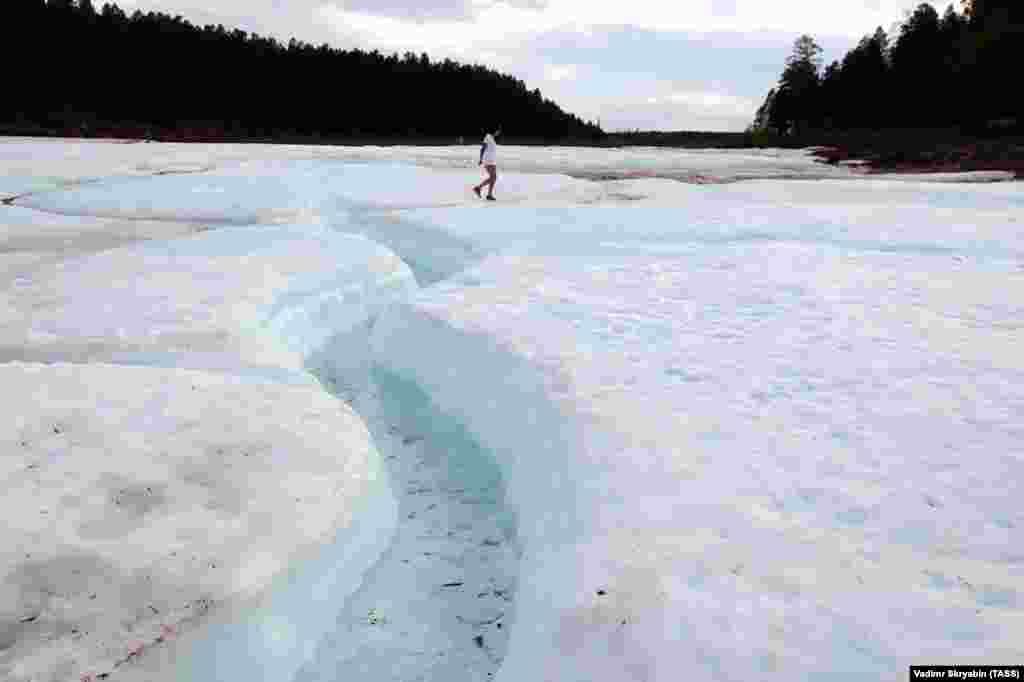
point(490, 198)
point(476, 191)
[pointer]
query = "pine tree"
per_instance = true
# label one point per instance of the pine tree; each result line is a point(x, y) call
point(829, 95)
point(762, 119)
point(796, 104)
point(865, 100)
point(994, 43)
point(917, 68)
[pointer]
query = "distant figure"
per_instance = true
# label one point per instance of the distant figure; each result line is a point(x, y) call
point(489, 160)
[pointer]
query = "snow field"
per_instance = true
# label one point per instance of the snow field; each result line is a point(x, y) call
point(692, 165)
point(764, 429)
point(743, 511)
point(761, 451)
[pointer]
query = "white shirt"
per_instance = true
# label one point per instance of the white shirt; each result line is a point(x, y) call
point(490, 150)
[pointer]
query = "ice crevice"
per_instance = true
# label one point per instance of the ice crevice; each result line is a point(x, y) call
point(430, 554)
point(508, 408)
point(440, 602)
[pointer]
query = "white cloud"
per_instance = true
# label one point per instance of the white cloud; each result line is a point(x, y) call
point(714, 103)
point(560, 72)
point(681, 110)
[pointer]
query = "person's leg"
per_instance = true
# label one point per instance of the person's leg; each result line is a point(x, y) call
point(477, 188)
point(492, 178)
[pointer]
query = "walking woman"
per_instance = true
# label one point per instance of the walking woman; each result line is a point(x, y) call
point(489, 160)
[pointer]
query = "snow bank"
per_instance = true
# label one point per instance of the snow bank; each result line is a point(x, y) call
point(138, 499)
point(31, 238)
point(261, 296)
point(759, 458)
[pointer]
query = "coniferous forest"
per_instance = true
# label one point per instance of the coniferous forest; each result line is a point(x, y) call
point(958, 70)
point(76, 69)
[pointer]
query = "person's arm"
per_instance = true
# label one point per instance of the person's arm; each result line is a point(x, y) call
point(483, 147)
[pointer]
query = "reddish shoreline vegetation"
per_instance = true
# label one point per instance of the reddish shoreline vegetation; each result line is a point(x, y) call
point(960, 158)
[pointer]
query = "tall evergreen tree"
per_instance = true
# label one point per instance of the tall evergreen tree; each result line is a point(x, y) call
point(865, 100)
point(994, 43)
point(800, 82)
point(918, 75)
point(793, 104)
point(829, 95)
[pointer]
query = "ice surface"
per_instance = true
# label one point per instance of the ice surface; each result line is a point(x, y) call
point(32, 165)
point(762, 429)
point(692, 165)
point(744, 437)
point(241, 193)
point(979, 223)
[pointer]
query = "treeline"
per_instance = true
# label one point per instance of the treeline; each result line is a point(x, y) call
point(957, 70)
point(73, 68)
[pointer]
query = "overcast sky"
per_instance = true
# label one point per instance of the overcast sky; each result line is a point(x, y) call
point(648, 64)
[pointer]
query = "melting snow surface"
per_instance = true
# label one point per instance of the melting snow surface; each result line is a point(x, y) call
point(363, 425)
